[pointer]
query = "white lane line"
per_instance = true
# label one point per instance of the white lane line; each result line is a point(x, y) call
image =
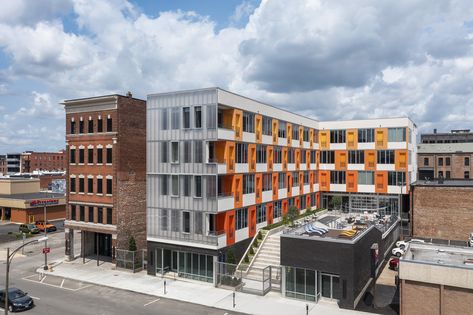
point(35, 298)
point(62, 283)
point(151, 302)
point(43, 279)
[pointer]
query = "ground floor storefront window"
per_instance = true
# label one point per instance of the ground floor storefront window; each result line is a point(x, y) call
point(311, 285)
point(185, 264)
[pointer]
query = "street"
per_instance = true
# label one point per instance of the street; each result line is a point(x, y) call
point(53, 295)
point(7, 230)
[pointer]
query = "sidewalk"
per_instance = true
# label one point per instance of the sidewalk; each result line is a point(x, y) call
point(188, 291)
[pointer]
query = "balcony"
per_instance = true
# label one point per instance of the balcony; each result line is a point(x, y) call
point(226, 201)
point(226, 134)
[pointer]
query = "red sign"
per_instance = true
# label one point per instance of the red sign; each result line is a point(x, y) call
point(43, 202)
point(46, 250)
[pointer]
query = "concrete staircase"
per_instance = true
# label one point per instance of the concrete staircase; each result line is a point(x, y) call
point(268, 255)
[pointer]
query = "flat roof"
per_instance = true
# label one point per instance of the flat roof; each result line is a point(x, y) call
point(444, 183)
point(30, 196)
point(100, 97)
point(441, 255)
point(463, 147)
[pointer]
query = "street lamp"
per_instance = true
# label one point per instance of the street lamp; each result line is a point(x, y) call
point(9, 259)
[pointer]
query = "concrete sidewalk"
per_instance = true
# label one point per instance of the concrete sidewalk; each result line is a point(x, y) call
point(188, 290)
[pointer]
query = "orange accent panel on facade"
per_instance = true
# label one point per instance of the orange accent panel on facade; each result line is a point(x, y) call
point(324, 180)
point(258, 187)
point(381, 182)
point(289, 184)
point(298, 158)
point(340, 160)
point(275, 131)
point(401, 160)
point(307, 159)
point(269, 213)
point(324, 139)
point(297, 202)
point(275, 186)
point(301, 183)
point(311, 181)
point(370, 160)
point(259, 128)
point(237, 124)
point(311, 138)
point(284, 159)
point(352, 139)
point(230, 156)
point(251, 221)
point(252, 157)
point(352, 181)
point(307, 201)
point(381, 138)
point(284, 207)
point(230, 226)
point(238, 190)
point(289, 134)
point(317, 200)
point(269, 154)
point(301, 136)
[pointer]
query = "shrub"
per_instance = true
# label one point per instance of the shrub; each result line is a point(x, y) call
point(247, 260)
point(255, 243)
point(260, 236)
point(231, 256)
point(252, 252)
point(132, 244)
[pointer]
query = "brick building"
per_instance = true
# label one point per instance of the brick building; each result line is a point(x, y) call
point(436, 279)
point(442, 210)
point(43, 161)
point(445, 160)
point(106, 184)
point(454, 136)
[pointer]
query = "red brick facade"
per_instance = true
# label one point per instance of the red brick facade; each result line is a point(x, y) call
point(43, 161)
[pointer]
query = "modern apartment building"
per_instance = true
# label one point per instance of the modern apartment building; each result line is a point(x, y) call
point(43, 161)
point(13, 163)
point(3, 165)
point(221, 166)
point(106, 180)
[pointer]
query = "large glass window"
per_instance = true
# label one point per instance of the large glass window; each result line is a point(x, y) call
point(277, 211)
point(281, 180)
point(330, 286)
point(267, 126)
point(109, 156)
point(186, 117)
point(248, 122)
point(282, 129)
point(81, 156)
point(211, 118)
point(175, 185)
point(295, 132)
point(386, 157)
point(186, 184)
point(260, 153)
point(241, 218)
point(267, 182)
point(186, 222)
point(198, 186)
point(175, 119)
point(327, 157)
point(301, 283)
point(365, 135)
point(261, 213)
point(198, 151)
point(337, 136)
point(174, 152)
point(248, 183)
point(187, 151)
point(164, 152)
point(337, 177)
point(72, 153)
point(356, 157)
point(365, 178)
point(90, 126)
point(277, 158)
point(73, 127)
point(198, 117)
point(110, 124)
point(164, 184)
point(397, 134)
point(241, 153)
point(396, 178)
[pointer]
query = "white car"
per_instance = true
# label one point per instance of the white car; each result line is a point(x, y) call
point(398, 251)
point(403, 244)
point(470, 240)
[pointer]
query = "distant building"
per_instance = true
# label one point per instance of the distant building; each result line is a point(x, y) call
point(3, 165)
point(22, 202)
point(445, 160)
point(454, 136)
point(436, 279)
point(106, 174)
point(442, 209)
point(13, 163)
point(43, 161)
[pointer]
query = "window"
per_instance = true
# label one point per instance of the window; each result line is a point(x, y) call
point(186, 222)
point(281, 181)
point(277, 155)
point(186, 117)
point(163, 219)
point(396, 178)
point(295, 179)
point(109, 156)
point(99, 215)
point(337, 177)
point(365, 178)
point(260, 213)
point(164, 185)
point(81, 213)
point(175, 122)
point(248, 183)
point(282, 129)
point(110, 125)
point(467, 161)
point(81, 185)
point(290, 155)
point(248, 122)
point(365, 135)
point(198, 151)
point(109, 216)
point(90, 185)
point(81, 156)
point(99, 186)
point(313, 155)
point(72, 157)
point(267, 182)
point(90, 156)
point(91, 214)
point(277, 213)
point(426, 161)
point(327, 157)
point(397, 134)
point(187, 184)
point(356, 157)
point(386, 157)
point(211, 186)
point(81, 126)
point(337, 136)
point(440, 174)
point(198, 186)
point(73, 127)
point(109, 186)
point(73, 212)
point(72, 184)
point(303, 158)
point(241, 220)
point(295, 132)
point(267, 126)
point(198, 117)
point(211, 117)
point(466, 175)
point(447, 175)
point(99, 125)
point(175, 185)
point(260, 153)
point(164, 152)
point(306, 177)
point(306, 134)
point(175, 220)
point(440, 161)
point(198, 226)
point(241, 153)
point(187, 151)
point(174, 152)
point(90, 127)
point(447, 161)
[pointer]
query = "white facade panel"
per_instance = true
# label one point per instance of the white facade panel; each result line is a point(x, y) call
point(338, 146)
point(222, 168)
point(327, 167)
point(267, 140)
point(306, 145)
point(282, 193)
point(249, 199)
point(313, 166)
point(261, 167)
point(306, 189)
point(295, 143)
point(338, 187)
point(291, 166)
point(397, 145)
point(226, 134)
point(277, 167)
point(241, 167)
point(267, 196)
point(315, 187)
point(303, 166)
point(356, 167)
point(226, 203)
point(366, 188)
point(249, 137)
point(282, 141)
point(366, 146)
point(295, 191)
point(385, 167)
point(241, 234)
point(396, 189)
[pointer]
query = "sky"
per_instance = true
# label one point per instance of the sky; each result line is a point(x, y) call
point(325, 59)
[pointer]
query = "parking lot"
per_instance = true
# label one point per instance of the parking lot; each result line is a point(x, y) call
point(8, 231)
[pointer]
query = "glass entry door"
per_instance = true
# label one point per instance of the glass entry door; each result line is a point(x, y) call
point(330, 286)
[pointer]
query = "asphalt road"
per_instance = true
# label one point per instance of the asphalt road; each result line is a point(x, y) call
point(13, 228)
point(55, 296)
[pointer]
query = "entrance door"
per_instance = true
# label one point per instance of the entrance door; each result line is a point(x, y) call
point(330, 286)
point(104, 242)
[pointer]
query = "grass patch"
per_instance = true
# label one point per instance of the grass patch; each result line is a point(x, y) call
point(281, 223)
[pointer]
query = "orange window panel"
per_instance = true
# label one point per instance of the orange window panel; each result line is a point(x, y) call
point(269, 213)
point(401, 159)
point(275, 186)
point(237, 124)
point(352, 136)
point(269, 154)
point(370, 160)
point(289, 134)
point(381, 182)
point(238, 190)
point(230, 156)
point(258, 187)
point(259, 128)
point(381, 135)
point(301, 136)
point(352, 181)
point(324, 139)
point(311, 138)
point(252, 157)
point(275, 131)
point(251, 221)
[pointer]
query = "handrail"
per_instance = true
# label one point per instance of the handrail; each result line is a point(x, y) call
point(246, 252)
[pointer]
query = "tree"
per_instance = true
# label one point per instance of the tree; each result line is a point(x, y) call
point(292, 214)
point(231, 256)
point(132, 244)
point(336, 202)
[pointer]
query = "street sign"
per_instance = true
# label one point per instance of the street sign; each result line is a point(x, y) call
point(46, 250)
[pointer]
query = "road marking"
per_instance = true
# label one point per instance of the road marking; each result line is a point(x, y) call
point(151, 302)
point(34, 297)
point(62, 283)
point(43, 279)
point(28, 278)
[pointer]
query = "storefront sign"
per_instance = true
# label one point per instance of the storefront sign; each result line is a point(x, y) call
point(43, 202)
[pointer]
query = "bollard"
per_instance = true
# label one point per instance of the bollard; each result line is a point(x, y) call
point(307, 309)
point(164, 286)
point(234, 300)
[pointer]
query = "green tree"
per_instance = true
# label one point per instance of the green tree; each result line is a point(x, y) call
point(336, 202)
point(231, 256)
point(292, 214)
point(132, 244)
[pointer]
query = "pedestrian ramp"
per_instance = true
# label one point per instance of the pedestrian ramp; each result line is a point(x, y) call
point(58, 282)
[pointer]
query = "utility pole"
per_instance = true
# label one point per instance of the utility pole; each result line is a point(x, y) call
point(6, 281)
point(45, 242)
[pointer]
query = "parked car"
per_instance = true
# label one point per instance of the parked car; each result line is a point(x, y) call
point(470, 240)
point(398, 251)
point(49, 227)
point(28, 228)
point(394, 264)
point(17, 300)
point(403, 244)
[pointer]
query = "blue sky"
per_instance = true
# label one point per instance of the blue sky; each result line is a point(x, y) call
point(325, 59)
